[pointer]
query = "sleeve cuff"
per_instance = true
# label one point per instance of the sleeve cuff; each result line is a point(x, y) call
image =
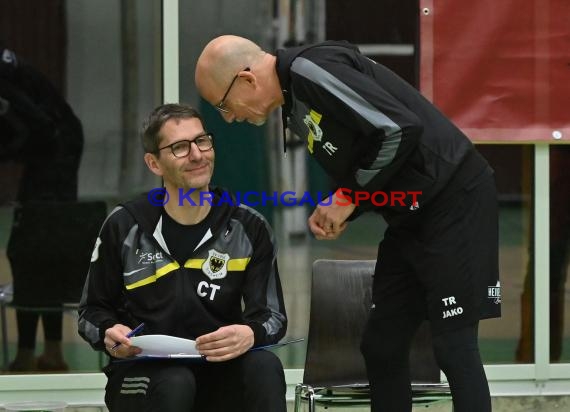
point(102, 328)
point(258, 333)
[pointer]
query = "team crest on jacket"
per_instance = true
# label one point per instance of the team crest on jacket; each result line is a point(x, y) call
point(312, 121)
point(216, 265)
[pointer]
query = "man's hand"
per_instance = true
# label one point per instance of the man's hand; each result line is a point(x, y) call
point(226, 343)
point(328, 222)
point(118, 334)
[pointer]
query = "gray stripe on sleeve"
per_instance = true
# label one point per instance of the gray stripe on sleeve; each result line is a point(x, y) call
point(275, 322)
point(90, 331)
point(376, 118)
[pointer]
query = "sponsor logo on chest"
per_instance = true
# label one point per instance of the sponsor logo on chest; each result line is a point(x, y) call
point(148, 258)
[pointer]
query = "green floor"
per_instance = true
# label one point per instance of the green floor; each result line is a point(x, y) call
point(79, 356)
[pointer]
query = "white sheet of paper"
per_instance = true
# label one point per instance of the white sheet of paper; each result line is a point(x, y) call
point(165, 346)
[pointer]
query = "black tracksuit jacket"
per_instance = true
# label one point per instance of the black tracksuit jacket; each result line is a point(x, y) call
point(372, 131)
point(132, 277)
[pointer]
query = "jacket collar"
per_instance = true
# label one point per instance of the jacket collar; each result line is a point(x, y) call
point(147, 215)
point(284, 59)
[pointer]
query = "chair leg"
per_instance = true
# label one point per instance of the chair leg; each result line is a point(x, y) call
point(311, 396)
point(302, 390)
point(298, 390)
point(5, 357)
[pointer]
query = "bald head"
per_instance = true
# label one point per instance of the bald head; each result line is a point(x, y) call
point(239, 79)
point(222, 58)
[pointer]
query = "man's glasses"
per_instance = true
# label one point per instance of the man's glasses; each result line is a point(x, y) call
point(181, 148)
point(221, 106)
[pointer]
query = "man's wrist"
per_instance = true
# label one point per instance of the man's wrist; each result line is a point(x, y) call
point(258, 332)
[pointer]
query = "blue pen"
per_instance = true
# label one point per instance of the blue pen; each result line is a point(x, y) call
point(130, 335)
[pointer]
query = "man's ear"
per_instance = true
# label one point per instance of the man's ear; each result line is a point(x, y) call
point(248, 76)
point(152, 163)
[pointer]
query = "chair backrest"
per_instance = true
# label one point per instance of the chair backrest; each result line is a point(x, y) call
point(50, 249)
point(341, 297)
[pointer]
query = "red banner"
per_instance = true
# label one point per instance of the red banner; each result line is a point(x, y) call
point(499, 69)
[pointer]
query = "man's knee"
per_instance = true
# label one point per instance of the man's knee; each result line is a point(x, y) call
point(178, 378)
point(262, 367)
point(455, 348)
point(263, 379)
point(173, 386)
point(161, 388)
point(387, 342)
point(377, 352)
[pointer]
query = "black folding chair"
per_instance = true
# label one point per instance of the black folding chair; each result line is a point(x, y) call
point(334, 372)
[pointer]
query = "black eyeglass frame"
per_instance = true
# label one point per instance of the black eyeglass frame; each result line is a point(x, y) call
point(210, 138)
point(220, 106)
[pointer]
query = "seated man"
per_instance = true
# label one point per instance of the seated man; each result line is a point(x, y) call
point(183, 264)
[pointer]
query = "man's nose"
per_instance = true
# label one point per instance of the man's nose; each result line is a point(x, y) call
point(194, 152)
